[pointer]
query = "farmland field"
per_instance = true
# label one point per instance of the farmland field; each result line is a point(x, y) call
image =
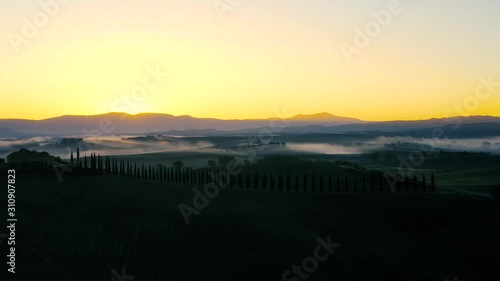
point(87, 226)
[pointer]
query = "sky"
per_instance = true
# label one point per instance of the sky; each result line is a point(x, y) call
point(249, 59)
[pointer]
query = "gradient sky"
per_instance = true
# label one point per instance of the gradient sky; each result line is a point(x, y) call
point(263, 57)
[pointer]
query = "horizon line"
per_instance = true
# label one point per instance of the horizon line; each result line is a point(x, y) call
point(249, 119)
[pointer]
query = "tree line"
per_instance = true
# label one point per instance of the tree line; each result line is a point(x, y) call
point(323, 183)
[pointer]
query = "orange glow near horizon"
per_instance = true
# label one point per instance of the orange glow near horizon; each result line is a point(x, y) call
point(263, 60)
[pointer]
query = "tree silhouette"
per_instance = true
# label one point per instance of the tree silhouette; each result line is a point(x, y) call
point(178, 164)
point(321, 183)
point(424, 185)
point(78, 156)
point(248, 181)
point(346, 183)
point(372, 184)
point(71, 156)
point(313, 183)
point(223, 161)
point(433, 183)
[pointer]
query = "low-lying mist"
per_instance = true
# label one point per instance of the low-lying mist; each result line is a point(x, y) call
point(109, 145)
point(132, 145)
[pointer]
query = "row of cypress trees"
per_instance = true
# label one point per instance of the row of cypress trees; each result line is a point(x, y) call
point(289, 182)
point(99, 164)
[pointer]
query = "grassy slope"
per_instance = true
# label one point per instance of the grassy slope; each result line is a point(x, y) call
point(83, 228)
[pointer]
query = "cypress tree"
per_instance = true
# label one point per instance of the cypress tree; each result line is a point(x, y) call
point(248, 181)
point(415, 183)
point(424, 185)
point(312, 182)
point(71, 156)
point(160, 173)
point(433, 183)
point(85, 161)
point(78, 156)
point(256, 181)
point(101, 164)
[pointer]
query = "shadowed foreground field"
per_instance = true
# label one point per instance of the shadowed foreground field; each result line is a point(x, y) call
point(84, 227)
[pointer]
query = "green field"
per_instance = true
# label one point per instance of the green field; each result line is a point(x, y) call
point(86, 226)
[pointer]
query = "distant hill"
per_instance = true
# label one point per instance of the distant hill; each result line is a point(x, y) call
point(324, 117)
point(122, 123)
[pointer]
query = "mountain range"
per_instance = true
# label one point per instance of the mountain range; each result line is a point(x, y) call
point(152, 123)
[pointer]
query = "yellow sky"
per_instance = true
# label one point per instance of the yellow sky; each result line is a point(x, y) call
point(93, 58)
